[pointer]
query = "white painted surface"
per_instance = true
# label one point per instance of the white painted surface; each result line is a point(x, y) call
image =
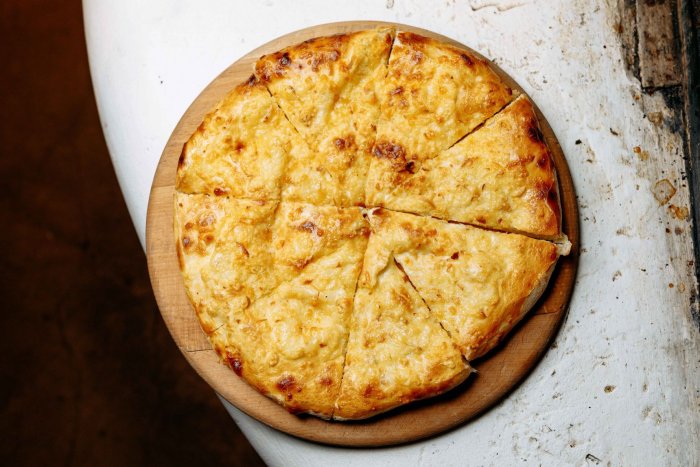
point(626, 328)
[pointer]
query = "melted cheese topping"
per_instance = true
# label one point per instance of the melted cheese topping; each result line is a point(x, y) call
point(299, 294)
point(432, 96)
point(326, 87)
point(499, 177)
point(240, 149)
point(397, 351)
point(476, 282)
point(273, 283)
point(213, 234)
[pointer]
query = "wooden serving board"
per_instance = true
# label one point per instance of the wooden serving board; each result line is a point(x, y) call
point(497, 373)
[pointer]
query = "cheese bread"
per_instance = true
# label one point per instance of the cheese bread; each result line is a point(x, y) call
point(240, 149)
point(304, 324)
point(477, 283)
point(433, 95)
point(223, 247)
point(274, 282)
point(326, 87)
point(397, 352)
point(501, 176)
point(362, 217)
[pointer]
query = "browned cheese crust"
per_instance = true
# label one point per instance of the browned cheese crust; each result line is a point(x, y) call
point(501, 176)
point(326, 87)
point(477, 283)
point(316, 299)
point(240, 149)
point(433, 95)
point(397, 352)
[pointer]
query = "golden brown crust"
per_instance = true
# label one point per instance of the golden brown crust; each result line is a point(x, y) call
point(299, 295)
point(326, 87)
point(272, 283)
point(478, 283)
point(240, 149)
point(434, 94)
point(225, 251)
point(501, 176)
point(397, 352)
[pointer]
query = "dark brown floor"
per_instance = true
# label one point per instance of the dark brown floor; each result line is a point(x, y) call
point(88, 373)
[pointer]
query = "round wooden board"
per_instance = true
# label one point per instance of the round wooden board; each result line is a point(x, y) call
point(497, 373)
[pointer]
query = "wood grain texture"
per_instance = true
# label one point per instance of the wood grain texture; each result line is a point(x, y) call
point(497, 373)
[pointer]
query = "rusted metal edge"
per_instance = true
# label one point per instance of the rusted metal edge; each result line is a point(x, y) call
point(661, 50)
point(688, 24)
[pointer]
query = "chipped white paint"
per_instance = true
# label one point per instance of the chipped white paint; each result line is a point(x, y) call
point(621, 384)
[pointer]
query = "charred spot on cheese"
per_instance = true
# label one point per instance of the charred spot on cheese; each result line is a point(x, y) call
point(455, 255)
point(310, 227)
point(481, 219)
point(266, 69)
point(414, 40)
point(344, 143)
point(220, 191)
point(284, 60)
point(286, 382)
point(379, 212)
point(244, 250)
point(235, 362)
point(181, 159)
point(390, 151)
point(208, 238)
point(467, 59)
point(326, 381)
point(543, 161)
point(251, 80)
point(388, 39)
point(288, 385)
point(534, 133)
point(324, 57)
point(410, 167)
point(239, 146)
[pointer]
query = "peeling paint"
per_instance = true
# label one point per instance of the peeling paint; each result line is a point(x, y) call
point(679, 212)
point(663, 191)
